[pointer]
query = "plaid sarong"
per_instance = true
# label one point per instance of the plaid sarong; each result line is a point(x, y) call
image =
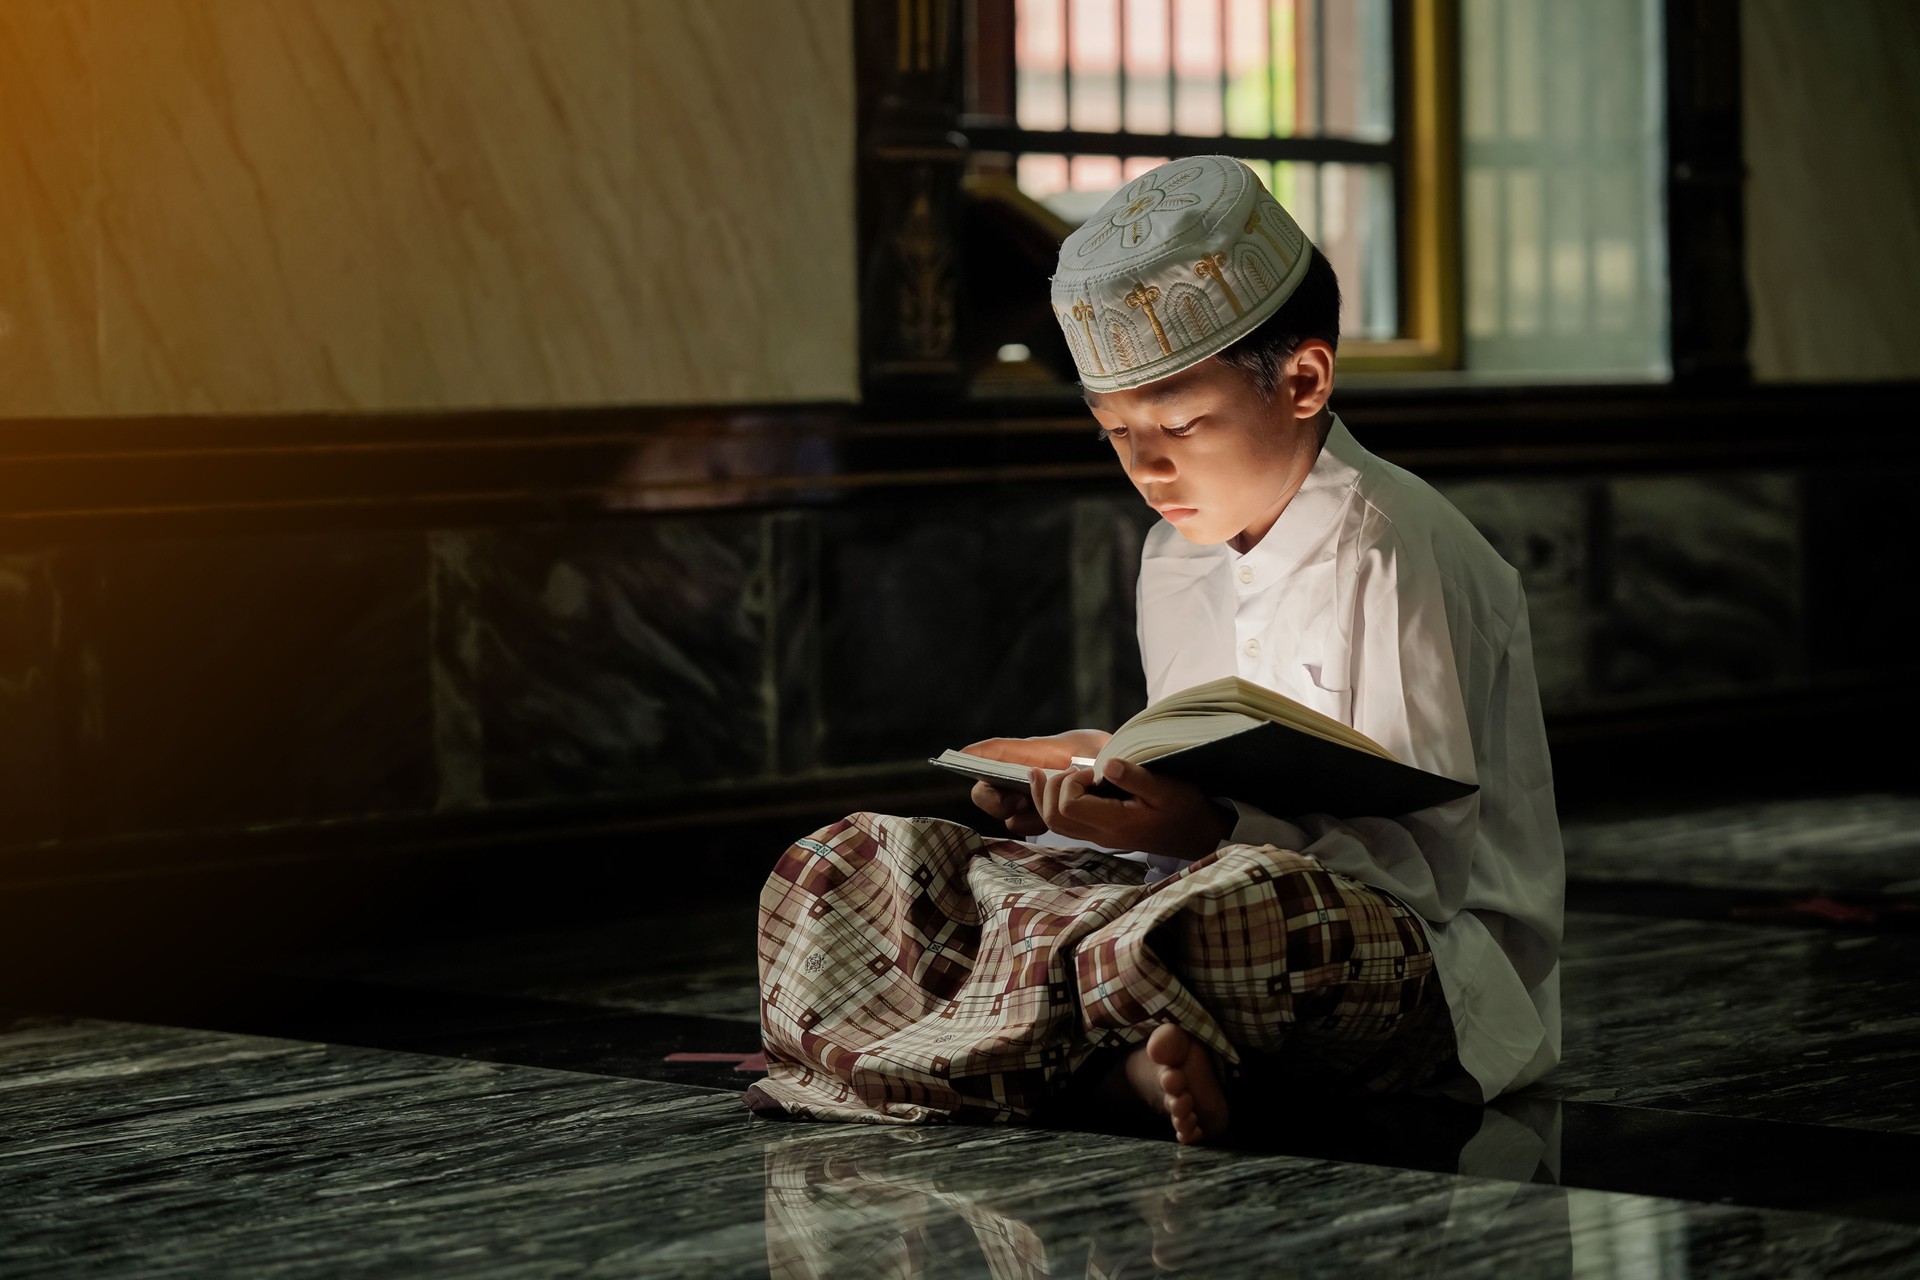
point(912, 969)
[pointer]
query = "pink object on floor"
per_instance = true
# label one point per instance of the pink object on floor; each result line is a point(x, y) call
point(740, 1061)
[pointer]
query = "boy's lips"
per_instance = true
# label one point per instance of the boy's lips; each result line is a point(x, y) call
point(1175, 513)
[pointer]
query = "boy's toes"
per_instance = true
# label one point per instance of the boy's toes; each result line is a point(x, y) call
point(1167, 1045)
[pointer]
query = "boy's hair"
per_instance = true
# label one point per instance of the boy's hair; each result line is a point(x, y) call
point(1312, 310)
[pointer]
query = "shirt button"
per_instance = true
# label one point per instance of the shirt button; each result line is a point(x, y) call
point(1246, 573)
point(1253, 648)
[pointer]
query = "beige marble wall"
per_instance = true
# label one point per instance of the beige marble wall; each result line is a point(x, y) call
point(1833, 236)
point(226, 206)
point(49, 223)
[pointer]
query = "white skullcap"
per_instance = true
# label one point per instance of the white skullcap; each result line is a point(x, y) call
point(1177, 266)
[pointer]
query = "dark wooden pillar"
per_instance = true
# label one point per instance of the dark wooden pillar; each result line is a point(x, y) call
point(912, 156)
point(1706, 176)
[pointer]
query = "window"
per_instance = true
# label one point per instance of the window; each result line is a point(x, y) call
point(1564, 128)
point(1343, 107)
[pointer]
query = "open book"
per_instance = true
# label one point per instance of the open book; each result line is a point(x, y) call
point(1233, 738)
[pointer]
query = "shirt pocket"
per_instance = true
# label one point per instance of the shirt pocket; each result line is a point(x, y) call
point(1325, 690)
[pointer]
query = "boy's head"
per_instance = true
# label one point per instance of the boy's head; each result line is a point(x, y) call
point(1204, 325)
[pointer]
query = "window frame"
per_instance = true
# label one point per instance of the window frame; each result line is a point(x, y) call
point(1423, 156)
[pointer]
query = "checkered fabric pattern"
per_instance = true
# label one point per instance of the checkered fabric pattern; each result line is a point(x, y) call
point(912, 969)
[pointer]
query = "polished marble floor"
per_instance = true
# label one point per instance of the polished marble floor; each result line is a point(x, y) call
point(1844, 844)
point(1740, 1097)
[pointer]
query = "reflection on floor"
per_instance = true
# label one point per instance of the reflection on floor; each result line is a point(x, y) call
point(1738, 1098)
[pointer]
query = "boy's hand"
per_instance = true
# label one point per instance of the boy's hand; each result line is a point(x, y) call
point(1162, 815)
point(1055, 751)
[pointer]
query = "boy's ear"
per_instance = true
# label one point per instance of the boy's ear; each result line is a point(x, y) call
point(1310, 377)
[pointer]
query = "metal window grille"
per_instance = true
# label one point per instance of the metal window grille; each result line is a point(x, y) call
point(1307, 92)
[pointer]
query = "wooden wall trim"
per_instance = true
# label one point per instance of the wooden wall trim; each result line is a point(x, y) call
point(82, 478)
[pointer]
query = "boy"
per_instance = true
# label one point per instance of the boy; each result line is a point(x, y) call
point(912, 969)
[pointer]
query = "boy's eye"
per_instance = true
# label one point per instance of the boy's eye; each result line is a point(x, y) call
point(1103, 434)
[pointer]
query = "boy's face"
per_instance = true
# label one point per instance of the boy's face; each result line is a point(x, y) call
point(1208, 453)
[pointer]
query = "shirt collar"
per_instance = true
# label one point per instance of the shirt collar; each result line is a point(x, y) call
point(1310, 510)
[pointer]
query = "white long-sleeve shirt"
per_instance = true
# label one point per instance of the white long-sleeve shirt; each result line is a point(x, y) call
point(1373, 600)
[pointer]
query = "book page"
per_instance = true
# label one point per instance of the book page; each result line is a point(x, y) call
point(998, 772)
point(1150, 739)
point(1216, 709)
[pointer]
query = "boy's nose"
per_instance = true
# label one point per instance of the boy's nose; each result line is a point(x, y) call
point(1149, 464)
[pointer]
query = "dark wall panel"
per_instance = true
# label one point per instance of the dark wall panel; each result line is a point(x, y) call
point(1862, 567)
point(944, 622)
point(174, 687)
point(620, 657)
point(30, 699)
point(224, 682)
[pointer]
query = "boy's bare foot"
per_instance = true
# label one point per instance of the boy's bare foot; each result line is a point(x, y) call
point(1172, 1072)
